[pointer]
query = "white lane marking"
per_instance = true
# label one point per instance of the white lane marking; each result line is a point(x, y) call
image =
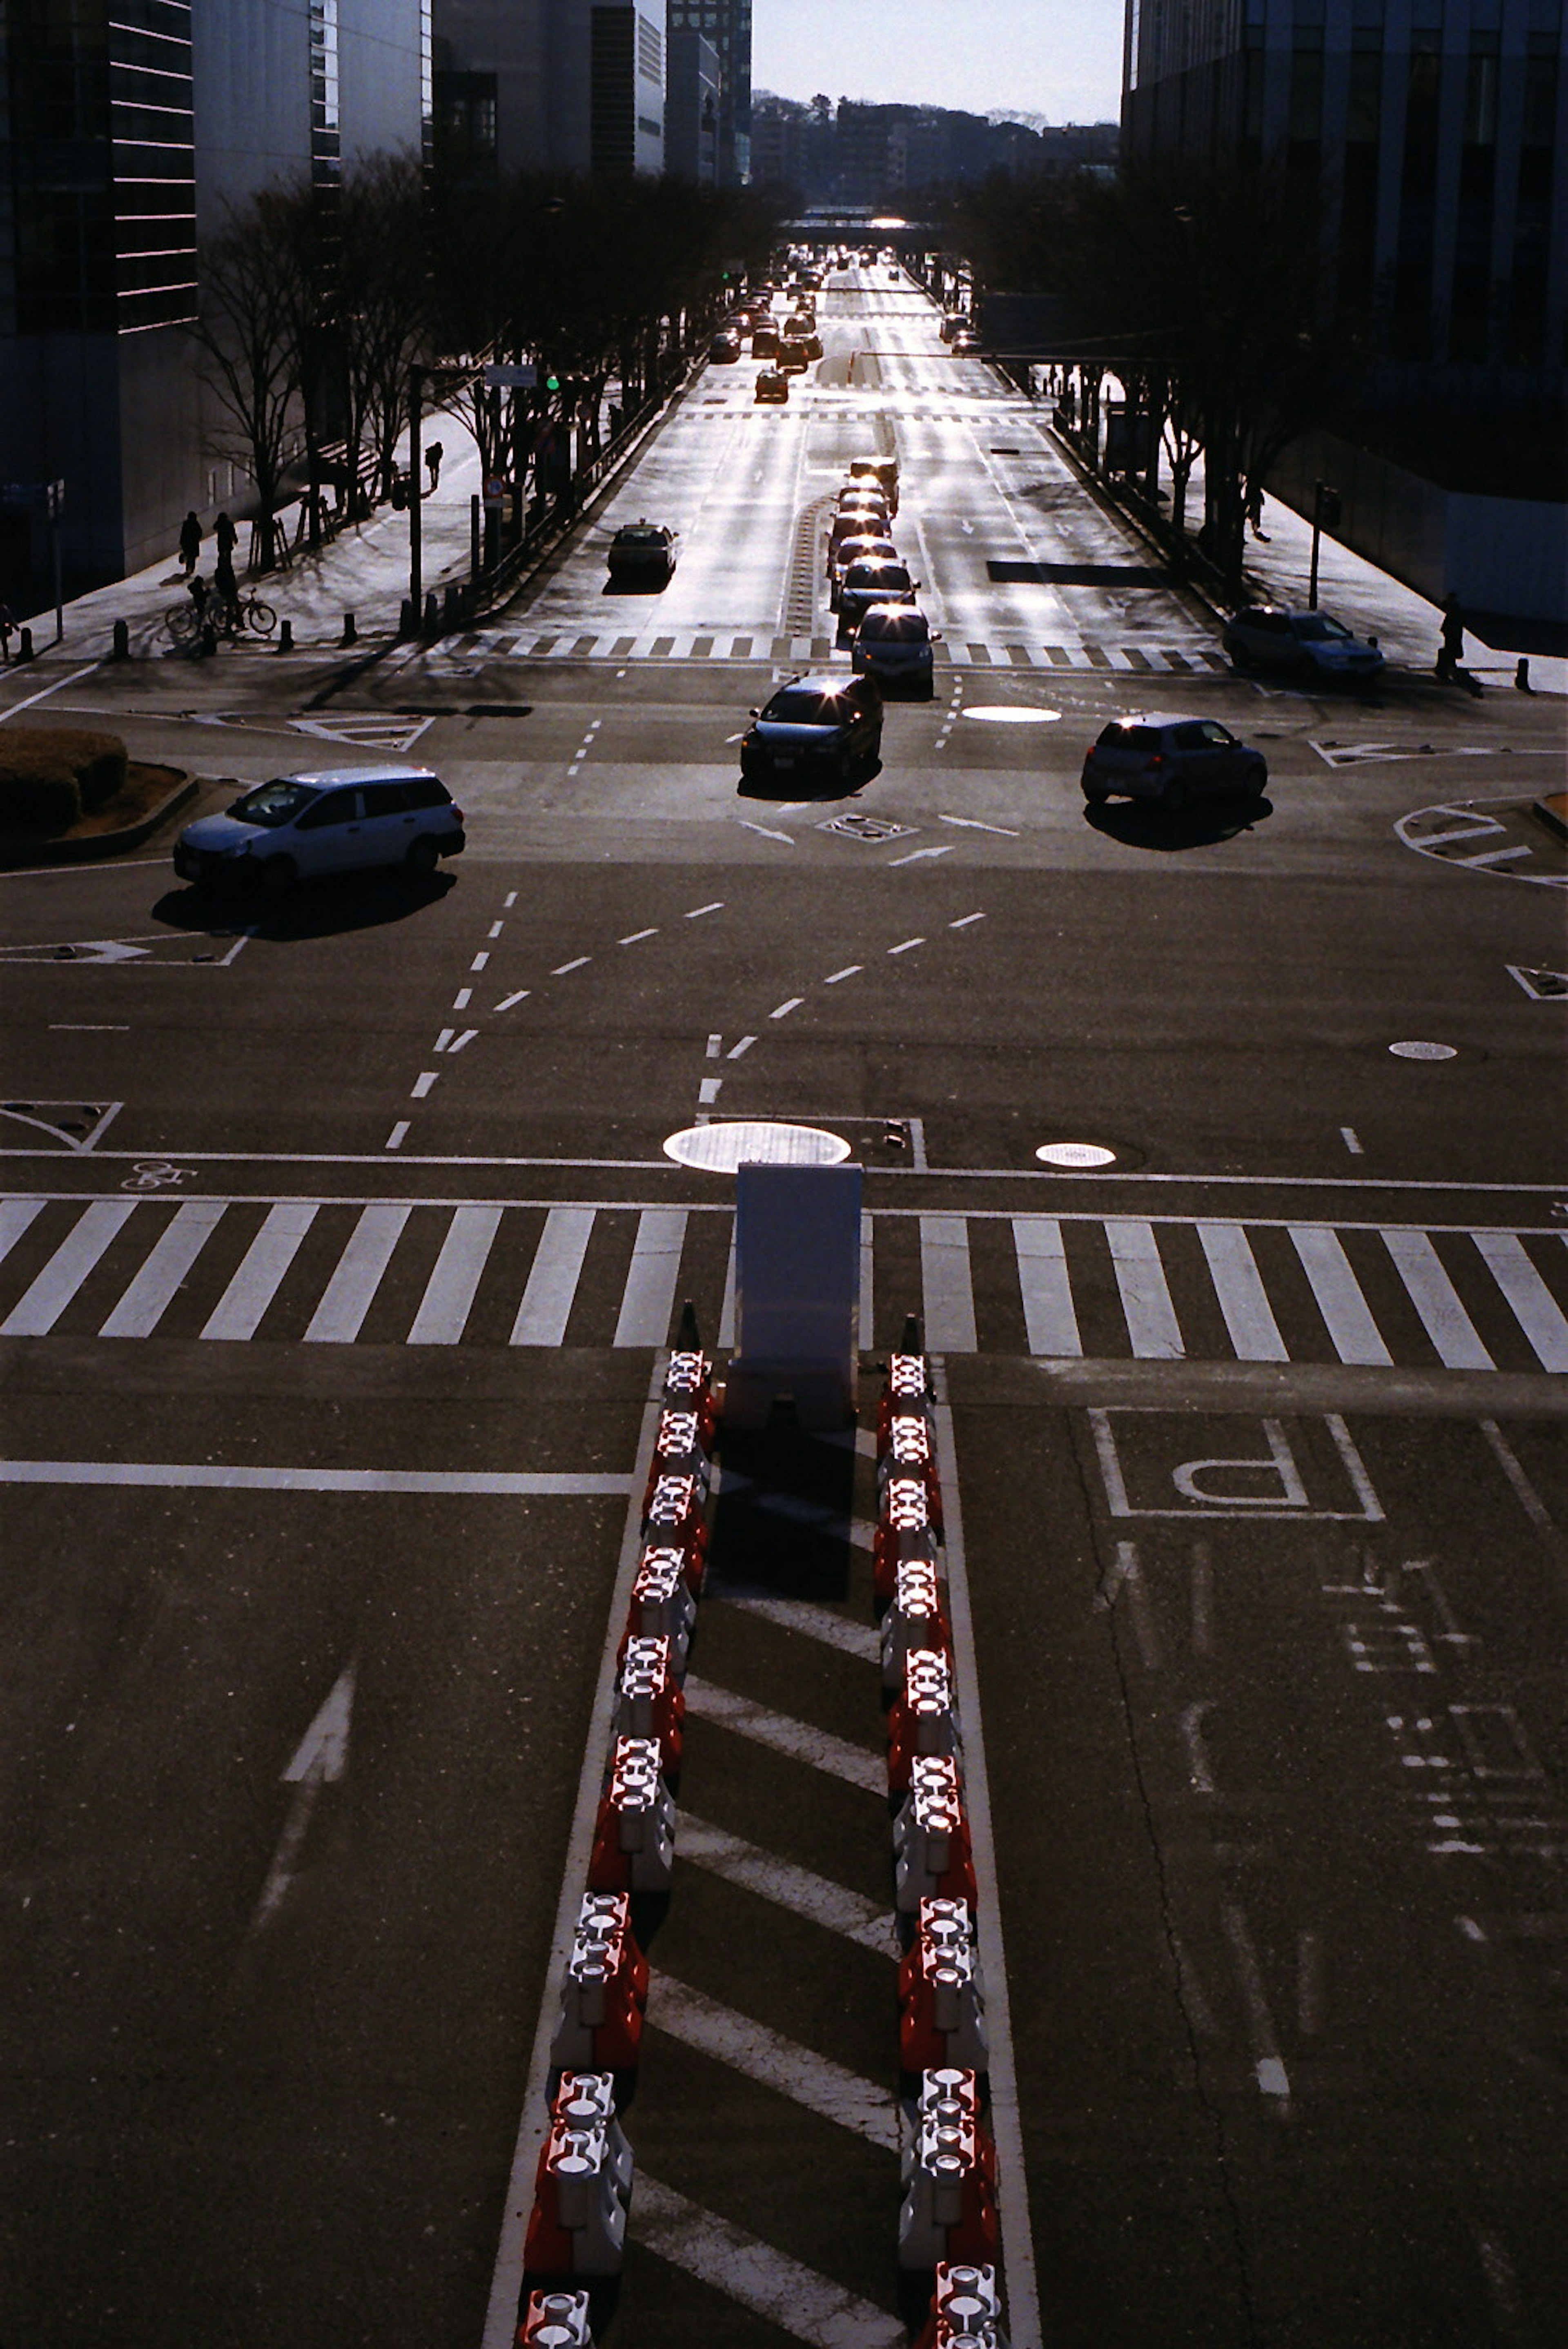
point(805, 2306)
point(15, 1215)
point(1352, 1140)
point(462, 999)
point(763, 1873)
point(480, 960)
point(239, 1311)
point(1529, 1499)
point(1126, 1574)
point(348, 1297)
point(510, 1483)
point(1189, 1720)
point(1049, 1321)
point(42, 695)
point(907, 946)
point(1534, 1307)
point(744, 1045)
point(322, 1757)
point(820, 1623)
point(709, 1089)
point(395, 1139)
point(633, 936)
point(1007, 2128)
point(444, 1039)
point(1436, 1299)
point(697, 912)
point(847, 972)
point(947, 1287)
point(552, 1286)
point(1268, 2068)
point(461, 1043)
point(509, 900)
point(508, 1002)
point(156, 1282)
point(1238, 1285)
point(89, 1028)
point(577, 963)
point(425, 1084)
point(1202, 1600)
point(66, 1270)
point(864, 1338)
point(1345, 1310)
point(715, 1046)
point(916, 854)
point(791, 1003)
point(782, 2064)
point(1145, 1298)
point(647, 1300)
point(707, 1701)
point(765, 832)
point(1493, 856)
point(495, 929)
point(449, 1292)
point(973, 824)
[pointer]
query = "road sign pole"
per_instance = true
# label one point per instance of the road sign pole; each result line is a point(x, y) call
point(416, 549)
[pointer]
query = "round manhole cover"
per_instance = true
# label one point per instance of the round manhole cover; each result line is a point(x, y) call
point(1416, 1051)
point(1075, 1153)
point(1010, 713)
point(720, 1149)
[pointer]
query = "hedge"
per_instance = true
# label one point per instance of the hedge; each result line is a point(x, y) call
point(49, 776)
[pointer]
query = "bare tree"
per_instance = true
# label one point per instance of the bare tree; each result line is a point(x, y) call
point(246, 333)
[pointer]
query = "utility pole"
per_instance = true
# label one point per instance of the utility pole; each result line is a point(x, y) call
point(416, 550)
point(1324, 513)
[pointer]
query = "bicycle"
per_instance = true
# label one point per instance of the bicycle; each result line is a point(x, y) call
point(186, 621)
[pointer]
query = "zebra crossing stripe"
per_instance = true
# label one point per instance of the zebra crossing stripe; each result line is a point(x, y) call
point(1050, 1322)
point(815, 1622)
point(156, 1282)
point(60, 1278)
point(1437, 1300)
point(449, 1296)
point(804, 2305)
point(15, 1215)
point(763, 1873)
point(1345, 1313)
point(546, 1305)
point(1534, 1307)
point(947, 1286)
point(238, 1312)
point(348, 1297)
point(1145, 1298)
point(647, 1301)
point(705, 1700)
point(823, 2087)
point(1238, 1285)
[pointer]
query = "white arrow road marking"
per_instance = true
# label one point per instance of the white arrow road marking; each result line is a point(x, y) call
point(915, 854)
point(321, 1759)
point(973, 824)
point(765, 833)
point(804, 2305)
point(790, 2070)
point(86, 950)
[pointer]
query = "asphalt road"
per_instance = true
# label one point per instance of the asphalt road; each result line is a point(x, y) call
point(336, 1250)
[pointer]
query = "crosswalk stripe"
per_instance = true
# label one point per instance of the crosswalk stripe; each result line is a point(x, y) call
point(707, 1701)
point(1050, 1322)
point(790, 2070)
point(804, 2305)
point(1534, 1307)
point(803, 1894)
point(797, 649)
point(15, 1215)
point(1145, 1298)
point(553, 1278)
point(60, 1278)
point(865, 1337)
point(947, 1287)
point(1238, 1285)
point(449, 1292)
point(239, 1311)
point(814, 1622)
point(156, 1282)
point(647, 1301)
point(1437, 1300)
point(349, 1294)
point(1345, 1313)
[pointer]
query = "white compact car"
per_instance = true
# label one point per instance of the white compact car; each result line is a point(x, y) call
point(340, 820)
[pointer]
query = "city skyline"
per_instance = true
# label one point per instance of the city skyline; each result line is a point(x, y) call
point(1043, 57)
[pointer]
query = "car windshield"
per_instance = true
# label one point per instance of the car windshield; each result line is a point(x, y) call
point(1316, 628)
point(909, 627)
point(803, 705)
point(641, 533)
point(877, 575)
point(274, 804)
point(1119, 736)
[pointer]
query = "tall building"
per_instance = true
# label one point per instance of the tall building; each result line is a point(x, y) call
point(728, 25)
point(692, 96)
point(549, 85)
point(1426, 138)
point(125, 130)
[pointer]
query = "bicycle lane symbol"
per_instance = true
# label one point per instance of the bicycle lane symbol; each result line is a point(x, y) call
point(156, 1175)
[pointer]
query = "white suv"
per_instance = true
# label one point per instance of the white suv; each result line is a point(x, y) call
point(340, 820)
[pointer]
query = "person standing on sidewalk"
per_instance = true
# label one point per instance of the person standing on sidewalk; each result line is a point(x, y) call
point(190, 543)
point(7, 623)
point(433, 456)
point(225, 537)
point(1451, 649)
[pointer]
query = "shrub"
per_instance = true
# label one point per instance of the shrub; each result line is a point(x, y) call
point(48, 775)
point(39, 796)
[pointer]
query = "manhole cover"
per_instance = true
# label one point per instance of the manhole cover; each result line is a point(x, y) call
point(867, 827)
point(1417, 1051)
point(721, 1148)
point(1007, 713)
point(1075, 1153)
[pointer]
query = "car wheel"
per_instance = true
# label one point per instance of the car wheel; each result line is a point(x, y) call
point(1241, 660)
point(276, 875)
point(1094, 796)
point(1173, 799)
point(1254, 782)
point(423, 855)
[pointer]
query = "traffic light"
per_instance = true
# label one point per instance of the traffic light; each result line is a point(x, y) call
point(552, 383)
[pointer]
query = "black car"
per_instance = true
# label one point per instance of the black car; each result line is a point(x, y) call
point(1171, 761)
point(816, 725)
point(642, 555)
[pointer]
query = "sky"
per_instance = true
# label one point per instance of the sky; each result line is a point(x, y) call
point(1061, 59)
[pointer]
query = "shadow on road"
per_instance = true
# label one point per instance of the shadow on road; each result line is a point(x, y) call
point(311, 909)
point(1136, 826)
point(796, 789)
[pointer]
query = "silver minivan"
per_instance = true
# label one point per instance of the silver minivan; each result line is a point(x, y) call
point(340, 819)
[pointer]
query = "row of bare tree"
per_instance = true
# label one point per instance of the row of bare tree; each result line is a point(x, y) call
point(319, 306)
point(1202, 289)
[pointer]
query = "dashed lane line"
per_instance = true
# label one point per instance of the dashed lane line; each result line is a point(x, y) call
point(782, 2064)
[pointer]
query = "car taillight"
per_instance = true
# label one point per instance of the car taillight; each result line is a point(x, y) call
point(457, 814)
point(1155, 759)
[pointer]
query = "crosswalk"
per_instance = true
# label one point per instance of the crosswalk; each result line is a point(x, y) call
point(444, 1273)
point(692, 644)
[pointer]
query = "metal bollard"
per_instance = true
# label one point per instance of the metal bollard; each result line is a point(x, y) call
point(24, 644)
point(583, 2186)
point(351, 629)
point(949, 2175)
point(408, 618)
point(452, 606)
point(286, 636)
point(605, 1992)
point(432, 614)
point(942, 2004)
point(121, 641)
point(1522, 679)
point(634, 1838)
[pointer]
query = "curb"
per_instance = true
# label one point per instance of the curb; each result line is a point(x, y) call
point(1553, 812)
point(81, 849)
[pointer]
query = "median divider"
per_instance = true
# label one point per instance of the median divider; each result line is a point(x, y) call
point(604, 1993)
point(555, 2320)
point(583, 2189)
point(966, 2309)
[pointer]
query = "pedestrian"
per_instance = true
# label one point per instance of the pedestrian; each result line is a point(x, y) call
point(190, 543)
point(1255, 511)
point(7, 622)
point(1451, 649)
point(225, 537)
point(226, 589)
point(433, 456)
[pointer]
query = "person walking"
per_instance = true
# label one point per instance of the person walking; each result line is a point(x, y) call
point(1255, 511)
point(190, 543)
point(1451, 648)
point(226, 589)
point(225, 537)
point(7, 623)
point(433, 456)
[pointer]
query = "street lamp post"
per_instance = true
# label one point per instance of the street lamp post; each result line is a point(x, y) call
point(1324, 513)
point(416, 549)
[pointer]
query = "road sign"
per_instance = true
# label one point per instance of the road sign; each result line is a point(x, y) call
point(511, 375)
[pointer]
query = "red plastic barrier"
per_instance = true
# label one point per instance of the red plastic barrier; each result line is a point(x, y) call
point(966, 2309)
point(949, 2210)
point(662, 1604)
point(675, 1516)
point(648, 1702)
point(583, 2185)
point(930, 1837)
point(633, 1836)
point(554, 2320)
point(923, 1718)
point(917, 1618)
point(905, 1529)
point(941, 2008)
point(605, 1991)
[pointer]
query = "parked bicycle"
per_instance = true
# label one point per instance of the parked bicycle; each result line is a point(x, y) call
point(185, 621)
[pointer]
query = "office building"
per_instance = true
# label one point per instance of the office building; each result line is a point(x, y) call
point(568, 86)
point(693, 94)
point(728, 25)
